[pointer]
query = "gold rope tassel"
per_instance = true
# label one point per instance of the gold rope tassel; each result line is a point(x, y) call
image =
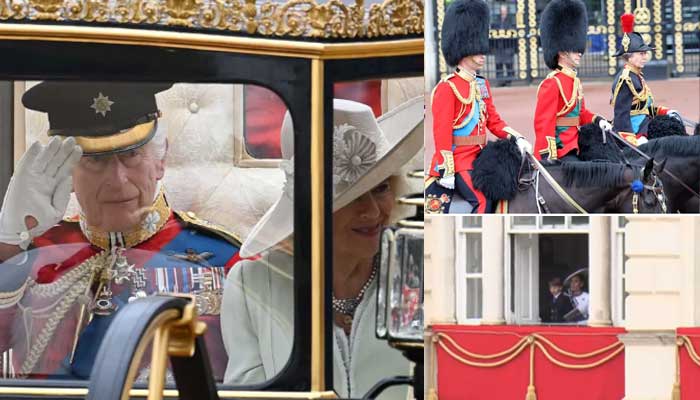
point(432, 394)
point(676, 392)
point(531, 395)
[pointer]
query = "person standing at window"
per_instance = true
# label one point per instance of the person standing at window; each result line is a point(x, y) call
point(579, 299)
point(560, 303)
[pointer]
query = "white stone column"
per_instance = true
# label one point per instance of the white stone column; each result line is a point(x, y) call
point(656, 251)
point(493, 264)
point(650, 361)
point(599, 248)
point(439, 272)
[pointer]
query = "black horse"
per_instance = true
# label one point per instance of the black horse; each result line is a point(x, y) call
point(669, 142)
point(500, 173)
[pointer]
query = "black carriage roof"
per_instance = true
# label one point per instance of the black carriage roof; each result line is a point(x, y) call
point(298, 28)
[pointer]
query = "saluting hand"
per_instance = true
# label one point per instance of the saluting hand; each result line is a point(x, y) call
point(39, 191)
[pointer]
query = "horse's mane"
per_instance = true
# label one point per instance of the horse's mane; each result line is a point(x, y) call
point(679, 146)
point(496, 170)
point(592, 148)
point(586, 174)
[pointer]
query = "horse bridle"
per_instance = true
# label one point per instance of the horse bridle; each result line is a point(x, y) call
point(540, 201)
point(647, 157)
point(657, 188)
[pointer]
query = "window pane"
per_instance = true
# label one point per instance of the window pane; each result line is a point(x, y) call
point(471, 222)
point(529, 221)
point(624, 298)
point(474, 298)
point(473, 252)
point(554, 222)
point(579, 221)
point(622, 222)
point(173, 141)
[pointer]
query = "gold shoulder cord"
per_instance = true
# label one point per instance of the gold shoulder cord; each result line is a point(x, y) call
point(465, 102)
point(576, 94)
point(624, 76)
point(640, 97)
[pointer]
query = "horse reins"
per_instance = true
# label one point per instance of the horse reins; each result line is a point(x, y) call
point(540, 169)
point(646, 157)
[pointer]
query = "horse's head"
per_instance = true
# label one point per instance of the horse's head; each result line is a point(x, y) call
point(646, 193)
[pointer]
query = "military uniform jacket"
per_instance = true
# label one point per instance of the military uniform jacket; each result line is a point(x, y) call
point(633, 103)
point(463, 109)
point(560, 110)
point(53, 284)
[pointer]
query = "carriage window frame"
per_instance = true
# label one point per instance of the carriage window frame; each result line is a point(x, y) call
point(53, 388)
point(310, 67)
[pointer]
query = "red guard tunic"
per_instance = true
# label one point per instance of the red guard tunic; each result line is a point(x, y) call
point(560, 111)
point(462, 107)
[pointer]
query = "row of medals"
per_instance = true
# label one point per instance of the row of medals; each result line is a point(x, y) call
point(119, 272)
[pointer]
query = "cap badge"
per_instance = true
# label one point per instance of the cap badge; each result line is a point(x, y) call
point(102, 104)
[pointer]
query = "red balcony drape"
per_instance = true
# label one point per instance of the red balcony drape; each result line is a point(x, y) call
point(689, 369)
point(599, 376)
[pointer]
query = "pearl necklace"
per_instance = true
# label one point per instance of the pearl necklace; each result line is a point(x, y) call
point(348, 306)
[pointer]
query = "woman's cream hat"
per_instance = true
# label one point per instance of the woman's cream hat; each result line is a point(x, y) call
point(366, 151)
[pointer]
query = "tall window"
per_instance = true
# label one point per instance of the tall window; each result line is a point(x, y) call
point(469, 270)
point(542, 248)
point(619, 271)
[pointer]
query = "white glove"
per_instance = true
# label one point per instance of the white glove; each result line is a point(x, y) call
point(604, 125)
point(675, 114)
point(447, 182)
point(40, 188)
point(523, 145)
point(641, 140)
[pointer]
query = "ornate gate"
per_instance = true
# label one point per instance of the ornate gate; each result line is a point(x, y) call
point(671, 26)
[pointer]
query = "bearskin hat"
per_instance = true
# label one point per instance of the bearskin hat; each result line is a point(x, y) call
point(465, 30)
point(563, 28)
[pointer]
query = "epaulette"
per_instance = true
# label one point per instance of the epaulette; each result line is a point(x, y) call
point(445, 79)
point(624, 78)
point(549, 75)
point(190, 218)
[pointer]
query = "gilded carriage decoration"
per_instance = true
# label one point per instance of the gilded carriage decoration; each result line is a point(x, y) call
point(333, 19)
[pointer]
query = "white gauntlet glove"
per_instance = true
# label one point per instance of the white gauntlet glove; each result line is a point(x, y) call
point(447, 182)
point(523, 145)
point(40, 188)
point(604, 125)
point(675, 114)
point(641, 140)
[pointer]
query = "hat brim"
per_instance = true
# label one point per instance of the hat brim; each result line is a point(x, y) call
point(272, 228)
point(407, 121)
point(582, 271)
point(403, 128)
point(645, 47)
point(129, 139)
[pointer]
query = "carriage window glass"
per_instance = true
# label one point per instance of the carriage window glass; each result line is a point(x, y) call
point(377, 141)
point(132, 190)
point(264, 114)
